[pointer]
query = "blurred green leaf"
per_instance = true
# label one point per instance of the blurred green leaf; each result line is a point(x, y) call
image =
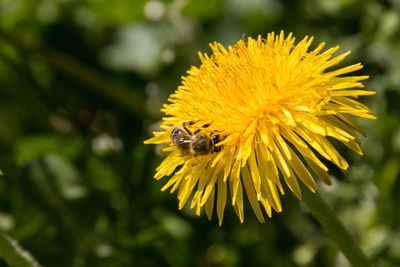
point(101, 175)
point(14, 254)
point(116, 11)
point(34, 147)
point(203, 9)
point(65, 175)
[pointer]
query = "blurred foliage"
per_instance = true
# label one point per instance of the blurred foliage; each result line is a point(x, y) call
point(81, 87)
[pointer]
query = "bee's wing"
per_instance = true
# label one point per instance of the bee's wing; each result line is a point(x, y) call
point(183, 143)
point(185, 139)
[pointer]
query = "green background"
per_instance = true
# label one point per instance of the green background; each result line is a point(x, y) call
point(81, 87)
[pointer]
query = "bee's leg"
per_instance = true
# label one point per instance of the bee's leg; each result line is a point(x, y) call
point(187, 130)
point(198, 129)
point(190, 122)
point(204, 126)
point(186, 123)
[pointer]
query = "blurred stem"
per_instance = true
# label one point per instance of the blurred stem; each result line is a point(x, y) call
point(334, 227)
point(13, 254)
point(57, 201)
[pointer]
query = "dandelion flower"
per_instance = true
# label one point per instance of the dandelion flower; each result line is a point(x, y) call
point(275, 106)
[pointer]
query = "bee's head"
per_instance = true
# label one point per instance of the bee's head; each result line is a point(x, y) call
point(216, 139)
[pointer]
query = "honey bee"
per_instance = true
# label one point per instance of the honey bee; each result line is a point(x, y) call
point(195, 143)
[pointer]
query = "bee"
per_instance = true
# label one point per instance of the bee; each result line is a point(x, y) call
point(195, 143)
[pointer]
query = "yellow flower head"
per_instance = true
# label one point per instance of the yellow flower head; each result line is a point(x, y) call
point(254, 115)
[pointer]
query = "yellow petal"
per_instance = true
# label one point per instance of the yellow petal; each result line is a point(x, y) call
point(249, 187)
